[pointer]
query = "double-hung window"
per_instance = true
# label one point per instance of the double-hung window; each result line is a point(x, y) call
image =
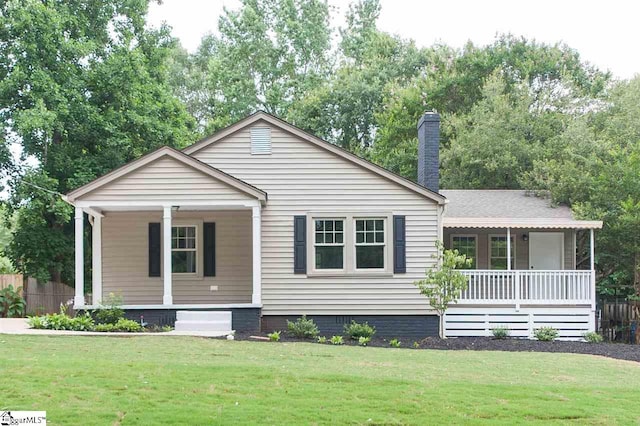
point(498, 252)
point(349, 244)
point(183, 249)
point(466, 244)
point(329, 243)
point(370, 243)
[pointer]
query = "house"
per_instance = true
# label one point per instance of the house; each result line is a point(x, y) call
point(262, 223)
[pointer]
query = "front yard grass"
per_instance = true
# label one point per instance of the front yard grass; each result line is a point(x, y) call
point(150, 380)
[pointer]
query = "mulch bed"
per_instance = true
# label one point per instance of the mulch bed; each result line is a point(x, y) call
point(611, 350)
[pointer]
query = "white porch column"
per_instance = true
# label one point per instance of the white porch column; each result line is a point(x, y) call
point(78, 300)
point(508, 249)
point(592, 262)
point(96, 260)
point(257, 256)
point(167, 298)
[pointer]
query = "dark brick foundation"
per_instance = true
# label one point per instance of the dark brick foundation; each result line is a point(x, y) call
point(391, 326)
point(242, 319)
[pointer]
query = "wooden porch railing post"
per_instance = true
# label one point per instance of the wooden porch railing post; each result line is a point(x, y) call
point(516, 282)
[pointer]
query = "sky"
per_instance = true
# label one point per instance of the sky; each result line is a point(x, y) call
point(605, 33)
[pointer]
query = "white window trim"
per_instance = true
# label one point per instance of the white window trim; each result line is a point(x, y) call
point(349, 251)
point(343, 245)
point(198, 224)
point(385, 259)
point(513, 245)
point(475, 239)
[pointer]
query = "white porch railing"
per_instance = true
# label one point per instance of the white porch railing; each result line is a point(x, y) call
point(515, 287)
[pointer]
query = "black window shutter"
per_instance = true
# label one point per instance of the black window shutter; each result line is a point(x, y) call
point(209, 232)
point(299, 244)
point(399, 245)
point(154, 249)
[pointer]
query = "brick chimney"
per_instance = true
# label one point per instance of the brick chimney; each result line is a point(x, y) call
point(428, 151)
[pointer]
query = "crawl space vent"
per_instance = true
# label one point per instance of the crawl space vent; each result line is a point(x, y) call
point(260, 140)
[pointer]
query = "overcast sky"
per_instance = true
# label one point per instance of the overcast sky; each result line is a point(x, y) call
point(606, 33)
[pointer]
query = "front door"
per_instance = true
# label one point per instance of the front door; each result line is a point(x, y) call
point(546, 250)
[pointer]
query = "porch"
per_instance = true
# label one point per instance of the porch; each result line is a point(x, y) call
point(169, 258)
point(169, 232)
point(525, 266)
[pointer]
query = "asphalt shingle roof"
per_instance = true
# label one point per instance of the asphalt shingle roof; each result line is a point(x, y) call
point(498, 203)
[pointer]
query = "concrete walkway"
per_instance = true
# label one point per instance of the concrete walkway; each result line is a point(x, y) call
point(20, 326)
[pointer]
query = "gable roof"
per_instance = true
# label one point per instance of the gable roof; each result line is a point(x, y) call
point(167, 151)
point(336, 150)
point(497, 208)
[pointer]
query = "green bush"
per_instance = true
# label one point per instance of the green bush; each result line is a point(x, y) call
point(274, 337)
point(416, 345)
point(322, 339)
point(36, 322)
point(303, 328)
point(12, 305)
point(62, 321)
point(337, 340)
point(546, 334)
point(123, 325)
point(110, 311)
point(395, 343)
point(357, 330)
point(500, 332)
point(592, 337)
point(363, 341)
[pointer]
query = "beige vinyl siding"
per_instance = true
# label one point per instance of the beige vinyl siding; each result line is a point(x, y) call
point(165, 179)
point(301, 178)
point(522, 247)
point(125, 259)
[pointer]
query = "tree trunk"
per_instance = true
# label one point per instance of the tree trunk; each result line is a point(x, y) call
point(636, 273)
point(441, 327)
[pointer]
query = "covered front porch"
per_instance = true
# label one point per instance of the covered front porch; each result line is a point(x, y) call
point(170, 233)
point(524, 276)
point(179, 256)
point(523, 264)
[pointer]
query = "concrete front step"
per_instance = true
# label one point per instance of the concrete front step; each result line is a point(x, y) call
point(223, 326)
point(207, 321)
point(204, 316)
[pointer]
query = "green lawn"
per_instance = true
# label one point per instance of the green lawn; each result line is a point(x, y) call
point(180, 380)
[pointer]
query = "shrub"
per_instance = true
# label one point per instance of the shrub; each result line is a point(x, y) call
point(110, 311)
point(592, 337)
point(363, 340)
point(546, 334)
point(82, 323)
point(303, 328)
point(322, 339)
point(36, 322)
point(123, 325)
point(62, 321)
point(166, 328)
point(500, 332)
point(274, 337)
point(12, 305)
point(337, 340)
point(395, 343)
point(357, 330)
point(416, 345)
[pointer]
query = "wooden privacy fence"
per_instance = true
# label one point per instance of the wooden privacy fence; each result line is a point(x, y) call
point(620, 321)
point(15, 280)
point(44, 298)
